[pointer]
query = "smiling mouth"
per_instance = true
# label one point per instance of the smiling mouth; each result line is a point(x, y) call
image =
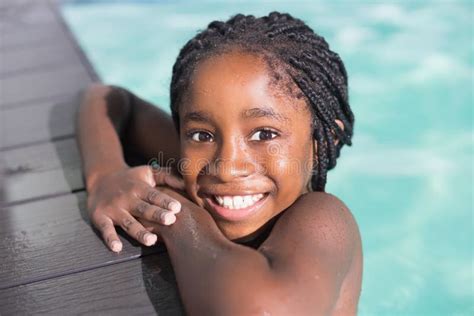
point(236, 207)
point(237, 202)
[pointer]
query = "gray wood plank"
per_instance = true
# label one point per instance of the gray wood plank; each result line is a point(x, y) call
point(138, 287)
point(45, 84)
point(53, 237)
point(17, 14)
point(51, 55)
point(30, 35)
point(27, 23)
point(50, 168)
point(39, 121)
point(42, 170)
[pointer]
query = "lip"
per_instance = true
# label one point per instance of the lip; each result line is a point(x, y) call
point(236, 214)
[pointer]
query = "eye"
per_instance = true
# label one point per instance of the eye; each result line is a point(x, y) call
point(264, 134)
point(201, 136)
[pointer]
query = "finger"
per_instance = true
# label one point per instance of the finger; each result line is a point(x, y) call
point(160, 199)
point(164, 176)
point(148, 223)
point(144, 210)
point(136, 230)
point(109, 234)
point(150, 227)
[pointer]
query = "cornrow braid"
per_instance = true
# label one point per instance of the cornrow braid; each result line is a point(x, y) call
point(291, 45)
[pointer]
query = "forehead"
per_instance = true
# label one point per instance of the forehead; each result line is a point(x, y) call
point(237, 82)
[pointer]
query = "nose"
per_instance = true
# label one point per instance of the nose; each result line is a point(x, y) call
point(233, 160)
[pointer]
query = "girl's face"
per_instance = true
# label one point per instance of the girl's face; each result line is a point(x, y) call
point(246, 147)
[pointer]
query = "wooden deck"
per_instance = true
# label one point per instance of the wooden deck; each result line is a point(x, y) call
point(51, 260)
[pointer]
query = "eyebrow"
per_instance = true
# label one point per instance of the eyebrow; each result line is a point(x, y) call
point(199, 116)
point(263, 112)
point(196, 116)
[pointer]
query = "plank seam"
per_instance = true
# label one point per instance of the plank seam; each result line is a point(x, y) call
point(40, 198)
point(37, 142)
point(160, 250)
point(33, 69)
point(25, 103)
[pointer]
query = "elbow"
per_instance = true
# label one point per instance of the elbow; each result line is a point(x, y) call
point(111, 101)
point(95, 91)
point(88, 97)
point(91, 95)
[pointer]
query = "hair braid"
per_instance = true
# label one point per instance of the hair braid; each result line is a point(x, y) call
point(292, 46)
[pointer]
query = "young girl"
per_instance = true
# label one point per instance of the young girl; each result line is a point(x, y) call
point(259, 115)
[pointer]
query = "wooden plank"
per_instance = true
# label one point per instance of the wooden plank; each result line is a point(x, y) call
point(43, 85)
point(17, 14)
point(28, 24)
point(52, 55)
point(144, 286)
point(42, 170)
point(47, 169)
point(39, 121)
point(139, 287)
point(53, 237)
point(13, 37)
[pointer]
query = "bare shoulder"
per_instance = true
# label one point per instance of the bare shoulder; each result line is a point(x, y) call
point(321, 206)
point(317, 241)
point(320, 218)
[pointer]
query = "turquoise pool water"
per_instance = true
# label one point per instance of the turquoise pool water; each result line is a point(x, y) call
point(408, 176)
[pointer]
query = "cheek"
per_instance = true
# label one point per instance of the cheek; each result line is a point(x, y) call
point(190, 165)
point(190, 169)
point(291, 163)
point(282, 167)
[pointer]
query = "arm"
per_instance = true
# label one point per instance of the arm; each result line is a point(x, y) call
point(109, 116)
point(298, 270)
point(117, 194)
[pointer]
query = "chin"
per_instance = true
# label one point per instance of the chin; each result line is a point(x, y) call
point(237, 234)
point(232, 235)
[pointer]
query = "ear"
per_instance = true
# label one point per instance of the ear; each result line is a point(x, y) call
point(341, 125)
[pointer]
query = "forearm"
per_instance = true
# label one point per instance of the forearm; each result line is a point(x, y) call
point(99, 123)
point(214, 274)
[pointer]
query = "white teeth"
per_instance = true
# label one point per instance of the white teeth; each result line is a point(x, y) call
point(247, 201)
point(238, 201)
point(228, 202)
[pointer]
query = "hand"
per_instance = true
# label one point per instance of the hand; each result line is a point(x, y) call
point(115, 199)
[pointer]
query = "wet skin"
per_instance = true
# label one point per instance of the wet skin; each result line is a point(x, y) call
point(313, 245)
point(311, 261)
point(238, 136)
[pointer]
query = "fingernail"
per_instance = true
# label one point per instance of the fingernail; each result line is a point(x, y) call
point(150, 239)
point(174, 206)
point(168, 218)
point(116, 246)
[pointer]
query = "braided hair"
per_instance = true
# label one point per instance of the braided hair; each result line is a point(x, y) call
point(291, 46)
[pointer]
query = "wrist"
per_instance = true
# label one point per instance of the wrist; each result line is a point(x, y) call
point(93, 176)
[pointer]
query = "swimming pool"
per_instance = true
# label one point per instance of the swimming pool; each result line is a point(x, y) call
point(408, 176)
